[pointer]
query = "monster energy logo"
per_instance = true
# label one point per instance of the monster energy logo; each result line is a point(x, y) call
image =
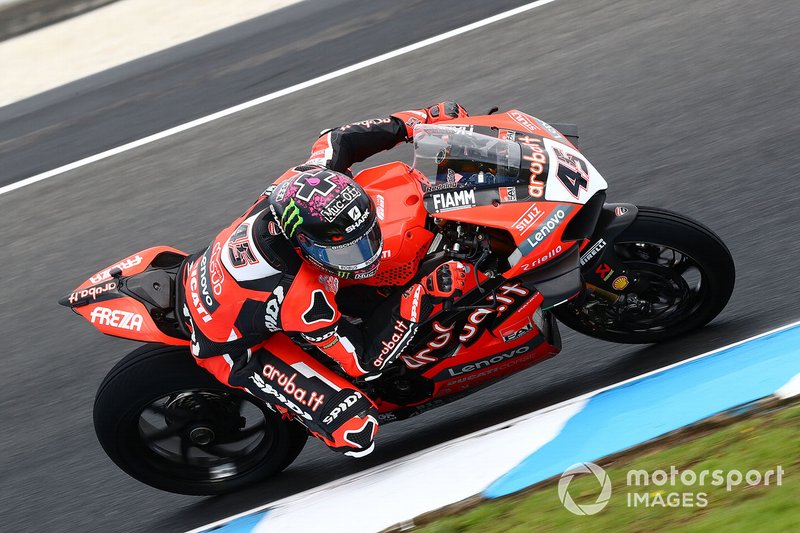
point(291, 219)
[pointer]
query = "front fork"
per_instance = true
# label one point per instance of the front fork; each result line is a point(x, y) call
point(603, 271)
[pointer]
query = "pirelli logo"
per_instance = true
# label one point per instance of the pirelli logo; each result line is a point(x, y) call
point(593, 251)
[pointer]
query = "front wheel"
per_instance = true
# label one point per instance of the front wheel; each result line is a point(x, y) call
point(168, 423)
point(682, 276)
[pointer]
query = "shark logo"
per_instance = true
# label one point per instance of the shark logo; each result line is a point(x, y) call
point(291, 219)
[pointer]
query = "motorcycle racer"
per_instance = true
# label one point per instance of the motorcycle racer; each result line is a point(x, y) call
point(277, 268)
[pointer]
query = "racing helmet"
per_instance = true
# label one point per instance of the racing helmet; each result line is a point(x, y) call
point(331, 220)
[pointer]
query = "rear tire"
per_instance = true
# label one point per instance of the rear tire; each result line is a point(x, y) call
point(157, 400)
point(697, 249)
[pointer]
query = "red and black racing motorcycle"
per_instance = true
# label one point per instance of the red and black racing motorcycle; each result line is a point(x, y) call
point(507, 193)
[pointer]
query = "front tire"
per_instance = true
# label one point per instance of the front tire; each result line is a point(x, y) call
point(170, 424)
point(688, 275)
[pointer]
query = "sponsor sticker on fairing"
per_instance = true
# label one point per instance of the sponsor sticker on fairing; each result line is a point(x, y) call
point(550, 129)
point(593, 251)
point(380, 206)
point(524, 120)
point(117, 318)
point(91, 293)
point(506, 300)
point(449, 201)
point(423, 357)
point(528, 219)
point(542, 259)
point(487, 361)
point(123, 265)
point(620, 283)
point(508, 194)
point(512, 335)
point(535, 156)
point(547, 227)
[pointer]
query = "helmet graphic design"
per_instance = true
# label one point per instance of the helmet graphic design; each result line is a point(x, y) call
point(331, 220)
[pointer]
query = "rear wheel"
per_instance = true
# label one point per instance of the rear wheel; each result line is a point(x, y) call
point(683, 276)
point(169, 423)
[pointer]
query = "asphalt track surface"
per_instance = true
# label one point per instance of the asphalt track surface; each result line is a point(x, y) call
point(688, 105)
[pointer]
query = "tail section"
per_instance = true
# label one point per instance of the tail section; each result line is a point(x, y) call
point(133, 298)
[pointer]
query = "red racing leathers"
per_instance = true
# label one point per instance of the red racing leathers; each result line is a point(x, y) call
point(250, 283)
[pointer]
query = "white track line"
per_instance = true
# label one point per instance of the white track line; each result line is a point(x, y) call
point(272, 96)
point(490, 429)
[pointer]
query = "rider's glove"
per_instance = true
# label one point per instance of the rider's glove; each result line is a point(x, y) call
point(443, 285)
point(430, 115)
point(446, 283)
point(445, 111)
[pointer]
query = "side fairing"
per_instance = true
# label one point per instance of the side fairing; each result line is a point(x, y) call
point(401, 214)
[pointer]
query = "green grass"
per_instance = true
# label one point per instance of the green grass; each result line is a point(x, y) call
point(760, 443)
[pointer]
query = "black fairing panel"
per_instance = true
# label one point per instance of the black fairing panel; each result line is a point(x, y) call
point(558, 280)
point(585, 222)
point(613, 220)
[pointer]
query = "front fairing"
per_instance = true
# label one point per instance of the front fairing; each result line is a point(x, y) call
point(506, 158)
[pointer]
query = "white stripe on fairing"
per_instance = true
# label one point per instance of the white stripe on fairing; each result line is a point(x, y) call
point(272, 96)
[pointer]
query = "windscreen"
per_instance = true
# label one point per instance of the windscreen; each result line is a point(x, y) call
point(455, 155)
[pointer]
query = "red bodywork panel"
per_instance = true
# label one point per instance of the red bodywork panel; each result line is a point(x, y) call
point(511, 345)
point(514, 120)
point(397, 194)
point(117, 314)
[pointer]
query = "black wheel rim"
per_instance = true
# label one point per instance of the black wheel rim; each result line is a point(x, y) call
point(671, 287)
point(204, 434)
